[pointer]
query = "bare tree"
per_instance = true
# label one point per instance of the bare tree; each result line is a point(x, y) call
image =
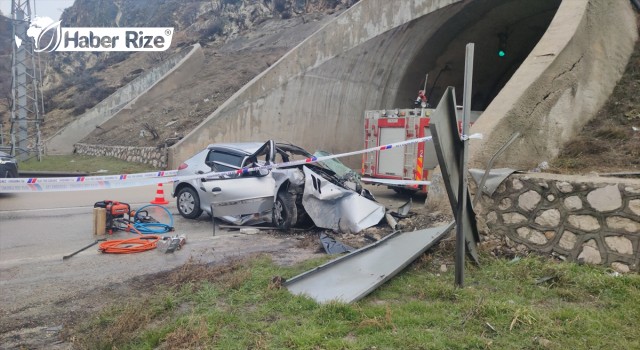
point(152, 130)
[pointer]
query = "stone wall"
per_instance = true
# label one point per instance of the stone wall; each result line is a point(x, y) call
point(156, 157)
point(584, 219)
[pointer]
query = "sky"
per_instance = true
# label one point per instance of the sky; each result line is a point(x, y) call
point(47, 8)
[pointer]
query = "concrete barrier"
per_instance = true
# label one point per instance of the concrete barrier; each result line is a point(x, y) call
point(184, 71)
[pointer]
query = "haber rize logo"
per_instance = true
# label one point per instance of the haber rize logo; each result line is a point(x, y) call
point(50, 36)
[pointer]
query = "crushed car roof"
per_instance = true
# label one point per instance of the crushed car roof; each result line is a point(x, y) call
point(244, 147)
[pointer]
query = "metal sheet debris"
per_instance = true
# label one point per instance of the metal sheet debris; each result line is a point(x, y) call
point(403, 210)
point(446, 137)
point(493, 180)
point(353, 276)
point(333, 207)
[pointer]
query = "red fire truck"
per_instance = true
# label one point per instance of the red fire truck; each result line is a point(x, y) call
point(411, 162)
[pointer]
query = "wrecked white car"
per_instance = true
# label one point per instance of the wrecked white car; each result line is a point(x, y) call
point(327, 193)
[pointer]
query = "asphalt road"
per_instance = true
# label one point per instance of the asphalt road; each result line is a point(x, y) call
point(40, 291)
point(38, 229)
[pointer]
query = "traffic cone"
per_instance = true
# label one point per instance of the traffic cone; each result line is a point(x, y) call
point(159, 196)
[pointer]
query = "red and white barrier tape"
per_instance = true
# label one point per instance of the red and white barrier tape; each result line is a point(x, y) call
point(80, 183)
point(86, 179)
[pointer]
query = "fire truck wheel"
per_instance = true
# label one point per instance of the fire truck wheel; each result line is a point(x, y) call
point(284, 211)
point(188, 203)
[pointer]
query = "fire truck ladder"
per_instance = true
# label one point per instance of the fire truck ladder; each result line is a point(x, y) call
point(371, 140)
point(410, 151)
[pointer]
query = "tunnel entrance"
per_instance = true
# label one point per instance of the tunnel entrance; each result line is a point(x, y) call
point(504, 33)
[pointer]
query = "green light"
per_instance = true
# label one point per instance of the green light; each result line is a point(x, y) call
point(501, 53)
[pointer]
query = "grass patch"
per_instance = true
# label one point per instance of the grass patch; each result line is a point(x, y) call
point(529, 304)
point(84, 164)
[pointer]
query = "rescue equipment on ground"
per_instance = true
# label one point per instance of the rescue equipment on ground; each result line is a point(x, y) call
point(110, 216)
point(119, 216)
point(142, 243)
point(115, 214)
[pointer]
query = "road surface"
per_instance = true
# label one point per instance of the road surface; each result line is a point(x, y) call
point(37, 229)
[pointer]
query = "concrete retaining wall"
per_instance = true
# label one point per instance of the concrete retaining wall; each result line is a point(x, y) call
point(156, 157)
point(181, 73)
point(560, 86)
point(62, 142)
point(585, 219)
point(315, 95)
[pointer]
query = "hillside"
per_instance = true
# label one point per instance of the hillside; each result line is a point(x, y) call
point(610, 142)
point(228, 66)
point(240, 38)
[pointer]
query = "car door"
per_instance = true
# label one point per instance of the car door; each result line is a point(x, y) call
point(245, 194)
point(240, 194)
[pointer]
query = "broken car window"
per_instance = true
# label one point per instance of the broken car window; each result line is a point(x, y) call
point(224, 161)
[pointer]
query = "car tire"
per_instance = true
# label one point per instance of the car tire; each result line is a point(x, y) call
point(284, 214)
point(188, 203)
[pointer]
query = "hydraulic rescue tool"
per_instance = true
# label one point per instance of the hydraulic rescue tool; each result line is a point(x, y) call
point(115, 212)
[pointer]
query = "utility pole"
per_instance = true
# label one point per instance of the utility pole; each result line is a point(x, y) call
point(26, 115)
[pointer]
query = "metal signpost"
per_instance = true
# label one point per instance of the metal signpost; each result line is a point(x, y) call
point(450, 148)
point(462, 183)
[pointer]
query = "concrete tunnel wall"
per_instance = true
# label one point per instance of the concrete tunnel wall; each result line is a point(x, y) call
point(442, 56)
point(315, 96)
point(373, 56)
point(565, 80)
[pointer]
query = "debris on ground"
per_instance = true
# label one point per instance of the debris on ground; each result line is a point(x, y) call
point(331, 246)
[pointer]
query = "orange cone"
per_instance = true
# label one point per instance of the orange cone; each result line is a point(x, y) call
point(159, 196)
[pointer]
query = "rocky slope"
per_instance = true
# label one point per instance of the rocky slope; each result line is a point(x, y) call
point(75, 82)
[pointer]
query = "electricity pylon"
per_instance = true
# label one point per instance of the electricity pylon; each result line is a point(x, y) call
point(26, 107)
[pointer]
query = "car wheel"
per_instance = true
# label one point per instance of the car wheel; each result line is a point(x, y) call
point(188, 203)
point(284, 211)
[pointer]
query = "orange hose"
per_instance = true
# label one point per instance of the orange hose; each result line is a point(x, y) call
point(130, 245)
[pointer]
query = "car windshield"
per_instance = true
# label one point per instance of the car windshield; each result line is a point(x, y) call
point(334, 165)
